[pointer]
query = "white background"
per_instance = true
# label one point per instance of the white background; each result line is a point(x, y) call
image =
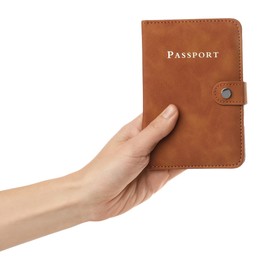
point(70, 77)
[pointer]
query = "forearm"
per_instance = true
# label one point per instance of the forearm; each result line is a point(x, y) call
point(115, 181)
point(33, 211)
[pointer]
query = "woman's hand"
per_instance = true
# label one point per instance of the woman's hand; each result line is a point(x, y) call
point(116, 180)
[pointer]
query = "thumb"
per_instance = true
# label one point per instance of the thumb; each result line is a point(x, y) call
point(160, 127)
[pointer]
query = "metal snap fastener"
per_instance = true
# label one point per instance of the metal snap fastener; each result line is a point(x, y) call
point(226, 93)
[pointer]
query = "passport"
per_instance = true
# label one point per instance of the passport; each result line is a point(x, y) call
point(196, 65)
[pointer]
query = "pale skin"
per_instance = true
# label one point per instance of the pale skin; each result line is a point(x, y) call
point(115, 181)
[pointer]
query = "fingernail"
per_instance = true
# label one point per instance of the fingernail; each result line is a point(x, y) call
point(169, 112)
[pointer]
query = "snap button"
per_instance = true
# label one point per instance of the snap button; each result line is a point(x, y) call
point(226, 93)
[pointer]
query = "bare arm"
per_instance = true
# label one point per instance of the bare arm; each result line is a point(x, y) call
point(39, 209)
point(114, 182)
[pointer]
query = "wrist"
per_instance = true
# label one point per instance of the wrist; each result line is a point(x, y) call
point(91, 195)
point(75, 188)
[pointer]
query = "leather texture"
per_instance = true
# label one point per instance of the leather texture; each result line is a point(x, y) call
point(192, 64)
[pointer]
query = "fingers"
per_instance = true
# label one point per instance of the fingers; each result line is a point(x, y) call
point(130, 130)
point(174, 172)
point(160, 127)
point(158, 178)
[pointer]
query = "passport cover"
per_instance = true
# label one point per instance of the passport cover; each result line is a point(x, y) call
point(196, 65)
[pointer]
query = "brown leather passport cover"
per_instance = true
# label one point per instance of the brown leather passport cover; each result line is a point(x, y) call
point(196, 65)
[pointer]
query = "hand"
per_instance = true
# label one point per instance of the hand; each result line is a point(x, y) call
point(116, 180)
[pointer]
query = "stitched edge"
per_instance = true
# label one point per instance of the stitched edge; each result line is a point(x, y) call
point(190, 21)
point(240, 78)
point(241, 102)
point(213, 165)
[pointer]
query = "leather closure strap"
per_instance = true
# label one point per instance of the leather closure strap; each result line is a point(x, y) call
point(230, 93)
